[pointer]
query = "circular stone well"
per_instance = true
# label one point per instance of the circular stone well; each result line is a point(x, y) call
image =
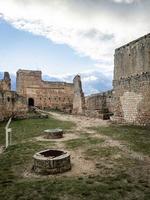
point(53, 133)
point(51, 161)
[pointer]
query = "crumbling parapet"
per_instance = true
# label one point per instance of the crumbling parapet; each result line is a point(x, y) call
point(78, 99)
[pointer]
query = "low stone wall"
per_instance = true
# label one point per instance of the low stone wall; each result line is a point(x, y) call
point(97, 114)
point(12, 105)
point(99, 105)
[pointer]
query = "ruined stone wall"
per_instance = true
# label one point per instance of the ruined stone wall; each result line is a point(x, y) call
point(133, 58)
point(132, 99)
point(132, 82)
point(78, 99)
point(11, 104)
point(45, 94)
point(99, 105)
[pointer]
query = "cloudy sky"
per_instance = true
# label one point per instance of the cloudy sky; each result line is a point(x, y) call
point(65, 37)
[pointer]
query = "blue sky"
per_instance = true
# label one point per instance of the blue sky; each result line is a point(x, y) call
point(21, 49)
point(58, 62)
point(63, 38)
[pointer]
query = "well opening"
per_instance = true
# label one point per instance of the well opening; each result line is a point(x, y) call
point(52, 153)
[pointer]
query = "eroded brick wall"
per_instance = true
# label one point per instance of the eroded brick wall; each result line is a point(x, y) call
point(45, 94)
point(11, 104)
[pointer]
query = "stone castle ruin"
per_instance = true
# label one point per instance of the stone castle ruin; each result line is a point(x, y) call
point(131, 82)
point(128, 102)
point(32, 91)
point(44, 94)
point(11, 104)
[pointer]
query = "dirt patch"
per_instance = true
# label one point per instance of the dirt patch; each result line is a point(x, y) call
point(80, 165)
point(66, 136)
point(81, 121)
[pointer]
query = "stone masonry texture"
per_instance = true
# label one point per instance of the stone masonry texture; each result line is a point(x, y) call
point(11, 104)
point(131, 84)
point(78, 99)
point(44, 94)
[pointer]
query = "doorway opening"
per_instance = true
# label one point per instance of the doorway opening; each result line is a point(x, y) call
point(30, 102)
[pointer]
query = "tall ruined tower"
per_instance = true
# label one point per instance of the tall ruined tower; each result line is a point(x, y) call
point(132, 82)
point(5, 84)
point(78, 99)
point(27, 79)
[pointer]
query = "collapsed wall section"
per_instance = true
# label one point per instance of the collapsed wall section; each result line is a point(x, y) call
point(99, 105)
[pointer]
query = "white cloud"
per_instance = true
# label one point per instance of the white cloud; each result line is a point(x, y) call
point(126, 1)
point(92, 81)
point(92, 28)
point(90, 78)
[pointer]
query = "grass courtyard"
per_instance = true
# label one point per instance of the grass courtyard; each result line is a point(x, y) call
point(112, 151)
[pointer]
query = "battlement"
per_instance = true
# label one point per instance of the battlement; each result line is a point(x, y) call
point(29, 71)
point(57, 82)
point(133, 58)
point(147, 36)
point(37, 75)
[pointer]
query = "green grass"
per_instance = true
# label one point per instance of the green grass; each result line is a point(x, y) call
point(103, 152)
point(29, 128)
point(120, 187)
point(137, 138)
point(120, 178)
point(17, 158)
point(82, 142)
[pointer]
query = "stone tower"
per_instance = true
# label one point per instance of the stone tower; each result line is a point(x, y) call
point(131, 82)
point(5, 83)
point(78, 99)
